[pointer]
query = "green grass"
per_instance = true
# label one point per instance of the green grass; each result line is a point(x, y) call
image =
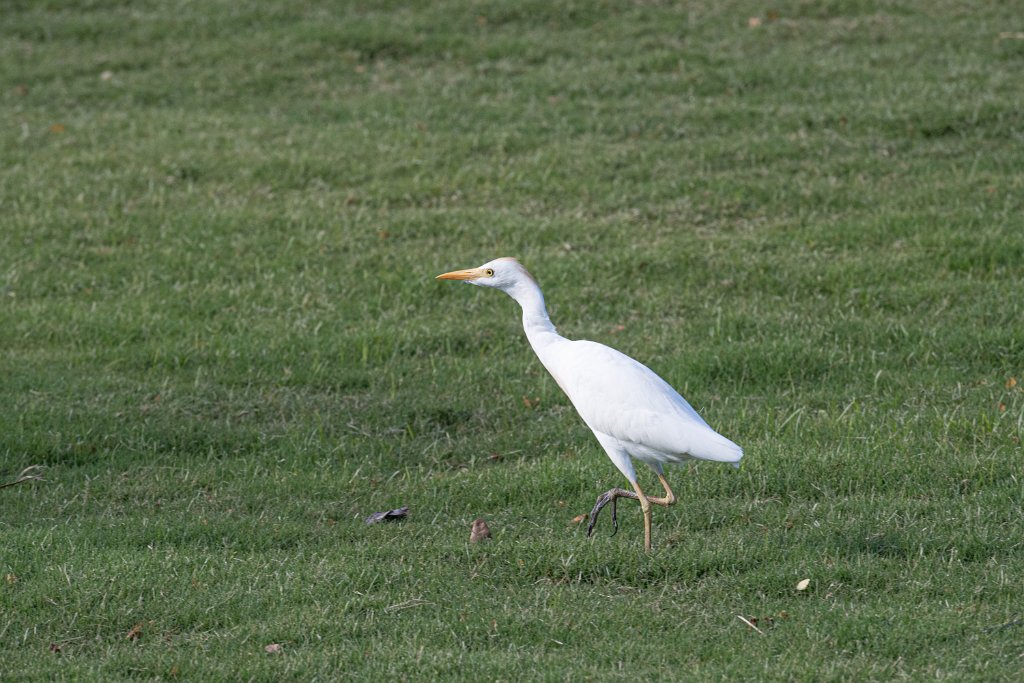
point(220, 334)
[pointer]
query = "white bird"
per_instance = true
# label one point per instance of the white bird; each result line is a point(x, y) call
point(633, 412)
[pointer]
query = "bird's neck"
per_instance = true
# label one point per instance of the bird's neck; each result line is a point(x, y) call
point(539, 330)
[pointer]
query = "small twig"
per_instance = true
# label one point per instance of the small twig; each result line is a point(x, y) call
point(415, 602)
point(749, 623)
point(1009, 624)
point(30, 473)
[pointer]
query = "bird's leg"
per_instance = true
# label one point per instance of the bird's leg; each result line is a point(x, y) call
point(669, 499)
point(645, 507)
point(604, 499)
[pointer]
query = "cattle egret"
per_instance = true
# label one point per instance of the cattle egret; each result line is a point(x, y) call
point(633, 412)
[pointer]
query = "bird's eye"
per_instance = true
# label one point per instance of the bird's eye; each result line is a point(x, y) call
point(489, 272)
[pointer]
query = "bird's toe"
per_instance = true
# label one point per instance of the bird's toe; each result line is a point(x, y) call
point(602, 501)
point(612, 497)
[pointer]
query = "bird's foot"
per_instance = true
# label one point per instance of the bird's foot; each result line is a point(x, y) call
point(603, 500)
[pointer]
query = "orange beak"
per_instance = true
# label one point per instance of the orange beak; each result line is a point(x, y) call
point(471, 274)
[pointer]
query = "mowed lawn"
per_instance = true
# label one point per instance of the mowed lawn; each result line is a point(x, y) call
point(220, 335)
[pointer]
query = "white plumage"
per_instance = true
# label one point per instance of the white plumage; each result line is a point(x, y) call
point(633, 412)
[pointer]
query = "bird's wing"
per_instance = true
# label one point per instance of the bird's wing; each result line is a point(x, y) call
point(618, 396)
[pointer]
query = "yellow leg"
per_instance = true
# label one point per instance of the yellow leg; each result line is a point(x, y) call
point(645, 507)
point(669, 499)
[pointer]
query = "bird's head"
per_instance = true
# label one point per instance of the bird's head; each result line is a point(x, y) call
point(505, 274)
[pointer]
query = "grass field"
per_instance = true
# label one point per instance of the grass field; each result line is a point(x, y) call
point(220, 334)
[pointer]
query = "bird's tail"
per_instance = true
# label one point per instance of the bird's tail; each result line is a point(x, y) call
point(715, 447)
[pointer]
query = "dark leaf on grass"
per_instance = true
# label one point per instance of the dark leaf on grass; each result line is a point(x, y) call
point(388, 516)
point(135, 633)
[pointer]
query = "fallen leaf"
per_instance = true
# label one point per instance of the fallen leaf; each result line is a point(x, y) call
point(1002, 407)
point(531, 402)
point(135, 633)
point(479, 532)
point(803, 584)
point(753, 22)
point(57, 128)
point(1011, 383)
point(388, 516)
point(11, 578)
point(578, 518)
point(54, 647)
point(273, 649)
point(106, 75)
